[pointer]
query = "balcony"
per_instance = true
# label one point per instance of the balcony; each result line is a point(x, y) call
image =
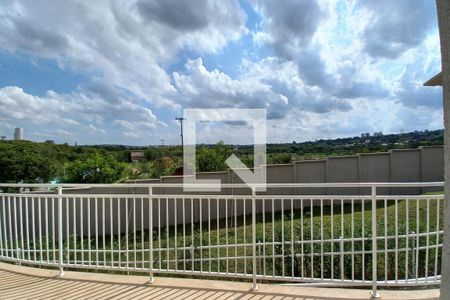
point(374, 235)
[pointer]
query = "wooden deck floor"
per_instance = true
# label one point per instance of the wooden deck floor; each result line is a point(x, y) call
point(18, 282)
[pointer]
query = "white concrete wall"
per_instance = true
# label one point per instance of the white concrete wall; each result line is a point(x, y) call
point(423, 164)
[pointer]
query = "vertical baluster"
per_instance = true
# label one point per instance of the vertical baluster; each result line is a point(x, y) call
point(96, 229)
point(311, 217)
point(126, 234)
point(292, 238)
point(363, 237)
point(273, 238)
point(209, 234)
point(16, 235)
point(321, 239)
point(103, 231)
point(82, 229)
point(111, 232)
point(332, 237)
point(436, 253)
point(40, 227)
point(264, 236)
point(385, 241)
point(28, 229)
point(254, 286)
point(192, 235)
point(218, 235)
point(134, 233)
point(8, 229)
point(60, 232)
point(200, 205)
point(74, 217)
point(396, 239)
point(417, 239)
point(244, 203)
point(167, 235)
point(342, 241)
point(54, 231)
point(282, 239)
point(226, 233)
point(150, 228)
point(235, 237)
point(159, 234)
point(374, 292)
point(142, 233)
point(302, 239)
point(67, 218)
point(407, 241)
point(119, 229)
point(22, 256)
point(427, 241)
point(33, 227)
point(175, 204)
point(1, 229)
point(184, 234)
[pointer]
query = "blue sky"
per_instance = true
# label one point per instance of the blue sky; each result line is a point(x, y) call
point(119, 72)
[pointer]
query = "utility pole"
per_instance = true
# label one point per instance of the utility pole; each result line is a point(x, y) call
point(162, 142)
point(181, 119)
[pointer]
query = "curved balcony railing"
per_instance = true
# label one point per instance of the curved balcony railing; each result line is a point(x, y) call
point(367, 234)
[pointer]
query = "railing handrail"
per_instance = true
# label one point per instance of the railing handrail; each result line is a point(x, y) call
point(231, 185)
point(237, 197)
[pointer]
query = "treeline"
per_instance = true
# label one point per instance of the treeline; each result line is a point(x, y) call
point(365, 143)
point(25, 161)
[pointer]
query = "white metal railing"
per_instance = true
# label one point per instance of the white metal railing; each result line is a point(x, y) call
point(313, 239)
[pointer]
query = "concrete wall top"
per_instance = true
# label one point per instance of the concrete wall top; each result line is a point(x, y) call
point(151, 180)
point(309, 161)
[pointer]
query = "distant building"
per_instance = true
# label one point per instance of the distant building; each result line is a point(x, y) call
point(137, 156)
point(18, 134)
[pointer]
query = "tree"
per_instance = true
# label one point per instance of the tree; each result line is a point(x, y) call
point(281, 158)
point(213, 159)
point(164, 166)
point(23, 162)
point(378, 134)
point(94, 167)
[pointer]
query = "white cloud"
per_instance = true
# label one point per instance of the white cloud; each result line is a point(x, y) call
point(121, 42)
point(78, 113)
point(202, 88)
point(394, 27)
